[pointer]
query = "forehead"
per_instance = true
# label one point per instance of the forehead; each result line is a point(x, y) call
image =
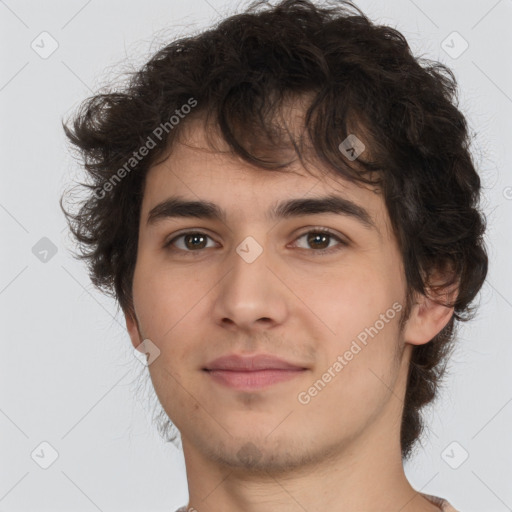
point(201, 166)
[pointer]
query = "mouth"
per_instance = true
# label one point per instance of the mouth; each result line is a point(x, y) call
point(249, 373)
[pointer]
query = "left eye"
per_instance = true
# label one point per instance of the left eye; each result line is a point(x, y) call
point(319, 240)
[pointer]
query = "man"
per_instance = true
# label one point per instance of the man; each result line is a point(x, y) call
point(286, 210)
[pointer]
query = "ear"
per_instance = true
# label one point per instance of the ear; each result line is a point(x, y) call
point(133, 328)
point(427, 317)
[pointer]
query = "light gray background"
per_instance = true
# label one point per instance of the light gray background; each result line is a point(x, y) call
point(68, 374)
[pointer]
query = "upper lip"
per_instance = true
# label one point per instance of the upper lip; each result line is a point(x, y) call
point(237, 362)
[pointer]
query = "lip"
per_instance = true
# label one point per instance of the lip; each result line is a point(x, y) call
point(252, 372)
point(256, 362)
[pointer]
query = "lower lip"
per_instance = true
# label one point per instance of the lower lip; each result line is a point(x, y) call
point(251, 380)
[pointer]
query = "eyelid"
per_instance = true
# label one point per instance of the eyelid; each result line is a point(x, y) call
point(174, 236)
point(342, 241)
point(321, 229)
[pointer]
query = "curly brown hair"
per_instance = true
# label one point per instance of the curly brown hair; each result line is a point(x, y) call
point(361, 78)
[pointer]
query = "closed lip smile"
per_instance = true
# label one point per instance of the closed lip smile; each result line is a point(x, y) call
point(252, 372)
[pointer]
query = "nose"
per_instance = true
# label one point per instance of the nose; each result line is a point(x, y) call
point(252, 295)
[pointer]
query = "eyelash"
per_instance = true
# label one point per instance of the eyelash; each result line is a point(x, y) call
point(323, 231)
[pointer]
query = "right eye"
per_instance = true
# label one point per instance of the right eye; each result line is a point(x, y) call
point(191, 241)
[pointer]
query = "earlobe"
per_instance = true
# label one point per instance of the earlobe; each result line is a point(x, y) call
point(427, 319)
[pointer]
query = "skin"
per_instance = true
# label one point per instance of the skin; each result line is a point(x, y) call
point(340, 451)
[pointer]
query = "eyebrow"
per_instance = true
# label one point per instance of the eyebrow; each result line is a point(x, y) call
point(176, 207)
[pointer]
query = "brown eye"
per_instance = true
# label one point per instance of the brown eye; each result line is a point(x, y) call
point(195, 241)
point(320, 241)
point(189, 242)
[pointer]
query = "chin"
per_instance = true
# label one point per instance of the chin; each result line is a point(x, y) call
point(267, 450)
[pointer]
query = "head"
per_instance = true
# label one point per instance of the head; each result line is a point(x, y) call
point(246, 117)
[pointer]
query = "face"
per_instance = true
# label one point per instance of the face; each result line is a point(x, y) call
point(328, 303)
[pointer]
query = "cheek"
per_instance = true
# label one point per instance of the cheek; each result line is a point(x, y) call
point(361, 311)
point(352, 383)
point(345, 300)
point(163, 297)
point(166, 302)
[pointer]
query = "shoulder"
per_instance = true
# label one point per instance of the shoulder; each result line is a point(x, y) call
point(440, 502)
